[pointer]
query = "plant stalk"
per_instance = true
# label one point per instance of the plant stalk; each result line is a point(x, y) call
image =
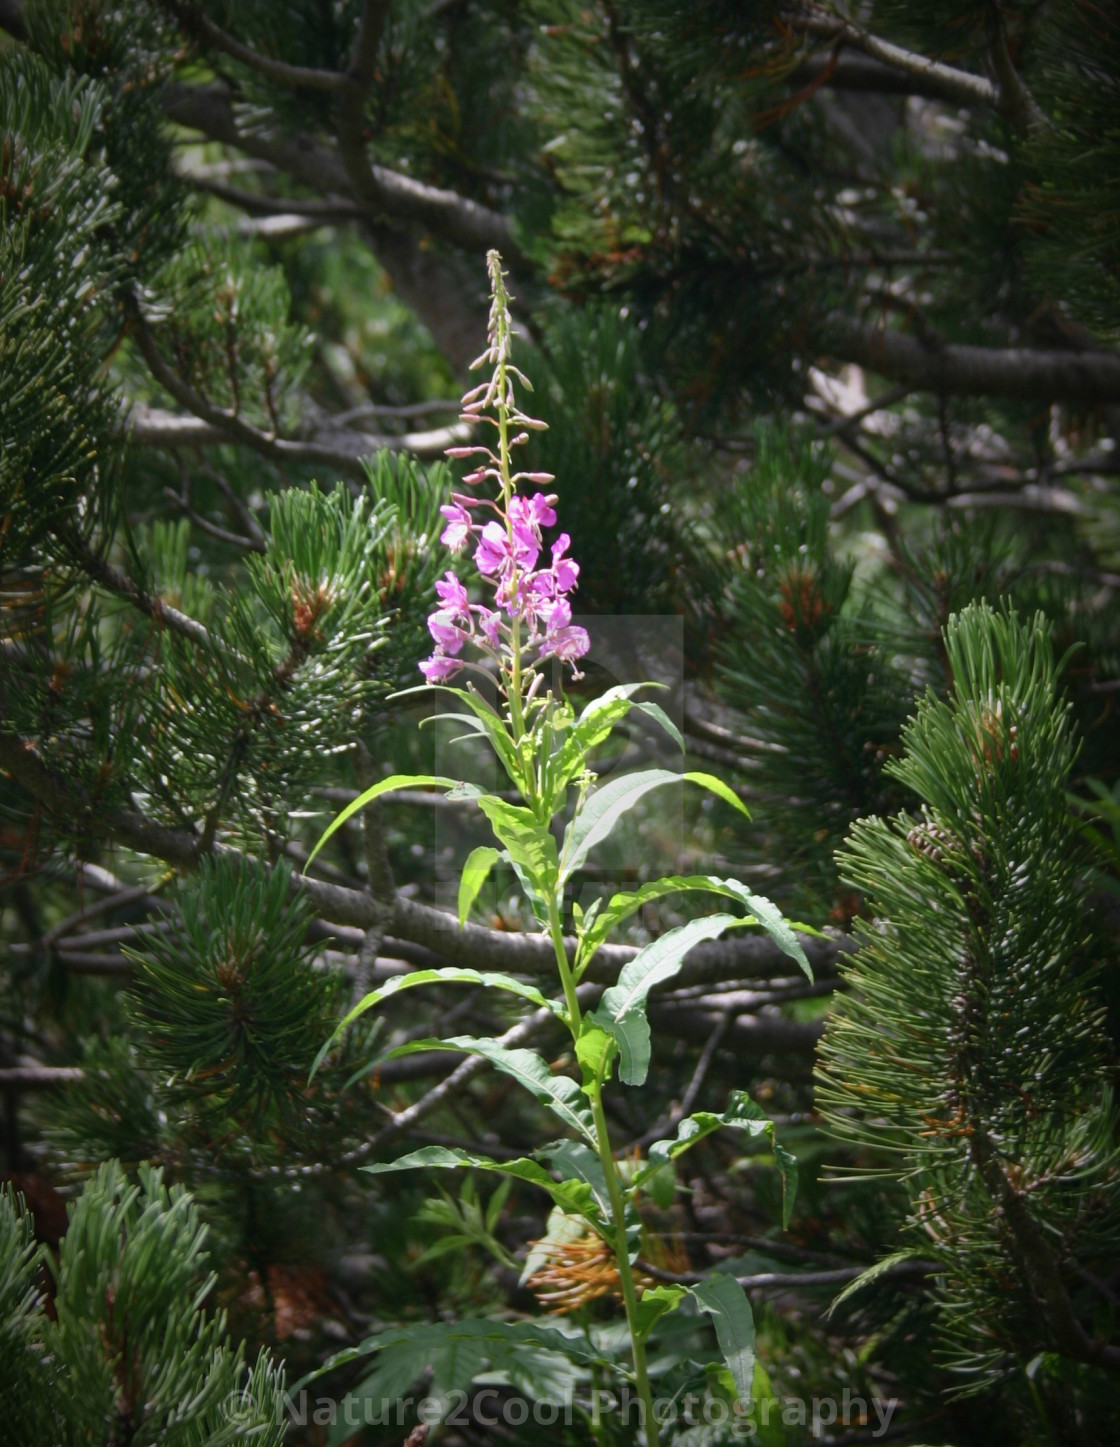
point(614, 1184)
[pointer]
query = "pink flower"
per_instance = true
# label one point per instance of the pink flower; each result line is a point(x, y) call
point(458, 528)
point(565, 570)
point(532, 511)
point(453, 596)
point(496, 553)
point(490, 621)
point(556, 614)
point(449, 638)
point(567, 644)
point(493, 549)
point(438, 668)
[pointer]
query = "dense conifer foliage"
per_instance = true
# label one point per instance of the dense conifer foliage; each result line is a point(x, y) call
point(804, 332)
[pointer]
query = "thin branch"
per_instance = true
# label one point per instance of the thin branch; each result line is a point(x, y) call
point(858, 72)
point(519, 1034)
point(39, 1077)
point(691, 1094)
point(1028, 498)
point(1106, 463)
point(1016, 104)
point(154, 427)
point(225, 426)
point(223, 535)
point(853, 419)
point(798, 1279)
point(254, 203)
point(115, 581)
point(90, 911)
point(296, 77)
point(240, 506)
point(952, 84)
point(382, 193)
point(430, 407)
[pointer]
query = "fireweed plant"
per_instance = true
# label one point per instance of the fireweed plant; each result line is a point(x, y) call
point(512, 642)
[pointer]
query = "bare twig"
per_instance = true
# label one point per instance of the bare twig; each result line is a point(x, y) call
point(154, 427)
point(115, 581)
point(950, 83)
point(39, 1077)
point(877, 404)
point(797, 1280)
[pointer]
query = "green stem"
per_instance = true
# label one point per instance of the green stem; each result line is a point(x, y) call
point(567, 978)
point(614, 1184)
point(622, 1261)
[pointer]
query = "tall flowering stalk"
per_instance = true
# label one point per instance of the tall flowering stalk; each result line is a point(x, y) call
point(512, 638)
point(532, 619)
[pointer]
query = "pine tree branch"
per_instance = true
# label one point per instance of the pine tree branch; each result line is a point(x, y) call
point(1016, 104)
point(383, 192)
point(254, 203)
point(296, 77)
point(1036, 1260)
point(442, 294)
point(751, 957)
point(959, 86)
point(155, 427)
point(116, 581)
point(954, 369)
point(39, 1077)
point(861, 73)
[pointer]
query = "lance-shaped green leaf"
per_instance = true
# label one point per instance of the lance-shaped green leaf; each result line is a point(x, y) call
point(476, 871)
point(606, 805)
point(573, 1194)
point(763, 912)
point(654, 1303)
point(560, 1093)
point(383, 786)
point(741, 1114)
point(445, 975)
point(597, 721)
point(622, 1010)
point(726, 1302)
point(659, 716)
point(530, 845)
point(491, 724)
point(574, 1161)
